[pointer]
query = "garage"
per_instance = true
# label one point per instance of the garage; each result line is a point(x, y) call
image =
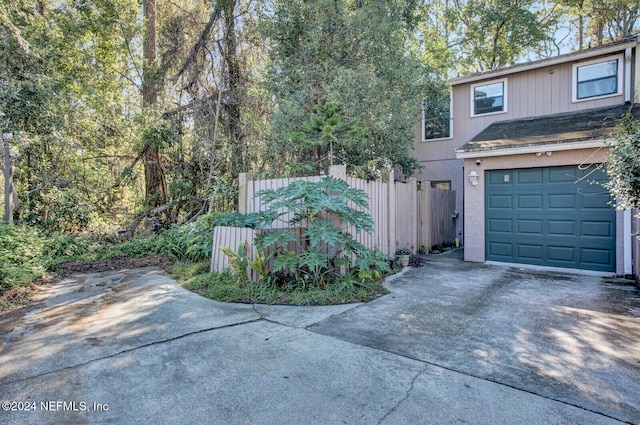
point(550, 216)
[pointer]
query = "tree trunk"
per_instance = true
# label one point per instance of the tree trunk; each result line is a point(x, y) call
point(234, 80)
point(155, 185)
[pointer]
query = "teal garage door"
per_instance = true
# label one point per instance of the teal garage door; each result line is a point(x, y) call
point(555, 216)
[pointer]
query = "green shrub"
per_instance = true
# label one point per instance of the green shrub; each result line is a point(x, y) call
point(61, 210)
point(324, 210)
point(22, 255)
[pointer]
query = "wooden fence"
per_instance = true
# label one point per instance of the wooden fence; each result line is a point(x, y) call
point(436, 212)
point(399, 211)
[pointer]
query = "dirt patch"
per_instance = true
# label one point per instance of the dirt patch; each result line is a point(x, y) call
point(162, 261)
point(10, 319)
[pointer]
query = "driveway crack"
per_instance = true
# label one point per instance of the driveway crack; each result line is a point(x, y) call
point(406, 396)
point(129, 350)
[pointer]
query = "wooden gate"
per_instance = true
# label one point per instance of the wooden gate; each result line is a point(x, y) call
point(436, 224)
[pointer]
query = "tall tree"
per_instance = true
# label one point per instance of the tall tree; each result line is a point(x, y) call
point(596, 22)
point(155, 185)
point(497, 33)
point(351, 53)
point(64, 87)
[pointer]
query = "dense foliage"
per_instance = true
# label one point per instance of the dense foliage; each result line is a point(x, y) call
point(623, 166)
point(118, 119)
point(355, 54)
point(109, 124)
point(315, 249)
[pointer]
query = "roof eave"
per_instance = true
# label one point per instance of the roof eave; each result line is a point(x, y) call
point(569, 57)
point(529, 149)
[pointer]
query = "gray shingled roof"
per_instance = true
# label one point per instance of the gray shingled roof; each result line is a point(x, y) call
point(590, 124)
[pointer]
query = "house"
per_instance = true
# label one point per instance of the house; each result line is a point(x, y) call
point(524, 148)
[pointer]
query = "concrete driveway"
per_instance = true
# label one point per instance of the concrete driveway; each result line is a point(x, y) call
point(452, 343)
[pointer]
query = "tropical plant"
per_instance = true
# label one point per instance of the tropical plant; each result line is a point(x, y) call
point(322, 212)
point(239, 262)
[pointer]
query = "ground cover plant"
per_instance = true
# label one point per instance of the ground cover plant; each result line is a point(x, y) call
point(28, 255)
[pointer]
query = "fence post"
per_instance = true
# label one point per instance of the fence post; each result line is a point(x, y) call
point(413, 183)
point(243, 192)
point(8, 184)
point(338, 171)
point(388, 178)
point(424, 216)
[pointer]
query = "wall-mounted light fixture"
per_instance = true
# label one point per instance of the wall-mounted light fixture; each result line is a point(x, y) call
point(473, 178)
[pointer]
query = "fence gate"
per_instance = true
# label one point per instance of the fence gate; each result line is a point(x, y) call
point(436, 224)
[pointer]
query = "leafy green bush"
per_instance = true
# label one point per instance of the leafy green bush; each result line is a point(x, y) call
point(61, 210)
point(326, 252)
point(623, 165)
point(22, 255)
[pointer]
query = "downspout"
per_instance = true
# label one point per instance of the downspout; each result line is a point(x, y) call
point(627, 236)
point(627, 74)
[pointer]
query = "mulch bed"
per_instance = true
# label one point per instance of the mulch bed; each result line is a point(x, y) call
point(162, 261)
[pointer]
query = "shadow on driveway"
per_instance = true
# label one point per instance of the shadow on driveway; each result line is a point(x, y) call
point(453, 342)
point(567, 337)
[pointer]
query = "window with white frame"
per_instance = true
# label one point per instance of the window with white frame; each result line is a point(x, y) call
point(597, 78)
point(436, 115)
point(489, 98)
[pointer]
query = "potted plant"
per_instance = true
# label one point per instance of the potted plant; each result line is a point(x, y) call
point(403, 254)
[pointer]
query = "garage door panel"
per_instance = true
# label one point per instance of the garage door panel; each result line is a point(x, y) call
point(501, 226)
point(561, 227)
point(602, 229)
point(500, 202)
point(550, 216)
point(564, 201)
point(529, 227)
point(529, 252)
point(566, 254)
point(597, 257)
point(531, 176)
point(563, 174)
point(501, 250)
point(500, 178)
point(596, 201)
point(530, 202)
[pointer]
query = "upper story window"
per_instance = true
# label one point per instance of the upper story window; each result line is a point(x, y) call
point(597, 78)
point(489, 98)
point(436, 115)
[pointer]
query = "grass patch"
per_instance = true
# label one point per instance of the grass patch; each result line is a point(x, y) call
point(224, 287)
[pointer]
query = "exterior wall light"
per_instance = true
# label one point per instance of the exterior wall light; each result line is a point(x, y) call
point(473, 178)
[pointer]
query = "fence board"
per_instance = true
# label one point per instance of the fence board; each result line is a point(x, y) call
point(393, 209)
point(435, 209)
point(443, 203)
point(405, 225)
point(231, 237)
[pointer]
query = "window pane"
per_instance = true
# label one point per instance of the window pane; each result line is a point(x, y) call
point(489, 98)
point(444, 185)
point(598, 70)
point(491, 90)
point(598, 79)
point(437, 115)
point(597, 88)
